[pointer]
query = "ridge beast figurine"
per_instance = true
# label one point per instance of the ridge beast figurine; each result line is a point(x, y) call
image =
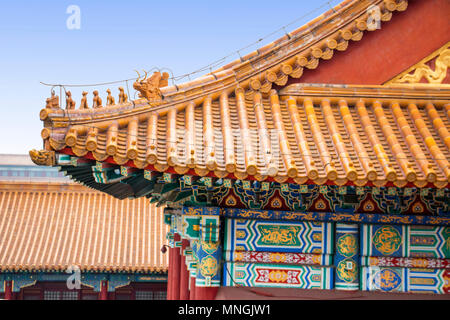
point(149, 88)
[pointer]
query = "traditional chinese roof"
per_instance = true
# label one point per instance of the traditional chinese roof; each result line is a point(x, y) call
point(246, 121)
point(49, 227)
point(302, 134)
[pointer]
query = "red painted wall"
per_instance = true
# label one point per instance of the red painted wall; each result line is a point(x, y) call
point(382, 54)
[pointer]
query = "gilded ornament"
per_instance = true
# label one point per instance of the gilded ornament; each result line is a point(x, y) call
point(278, 276)
point(279, 235)
point(422, 70)
point(387, 280)
point(346, 270)
point(387, 240)
point(210, 247)
point(277, 257)
point(347, 245)
point(209, 266)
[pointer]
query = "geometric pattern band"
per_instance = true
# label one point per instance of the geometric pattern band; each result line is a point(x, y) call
point(392, 279)
point(279, 257)
point(275, 275)
point(429, 263)
point(405, 241)
point(278, 236)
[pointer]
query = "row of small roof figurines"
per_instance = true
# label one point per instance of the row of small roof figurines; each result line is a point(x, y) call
point(147, 87)
point(53, 101)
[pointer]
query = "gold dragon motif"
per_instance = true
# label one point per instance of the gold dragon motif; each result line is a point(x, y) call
point(422, 69)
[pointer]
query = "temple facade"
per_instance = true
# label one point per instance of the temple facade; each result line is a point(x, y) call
point(319, 162)
point(62, 241)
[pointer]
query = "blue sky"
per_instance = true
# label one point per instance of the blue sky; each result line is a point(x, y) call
point(115, 38)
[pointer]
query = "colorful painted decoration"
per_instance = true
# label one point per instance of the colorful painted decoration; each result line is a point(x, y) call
point(342, 217)
point(190, 227)
point(405, 241)
point(347, 245)
point(201, 211)
point(257, 250)
point(275, 236)
point(387, 240)
point(346, 257)
point(429, 263)
point(391, 279)
point(210, 228)
point(279, 257)
point(430, 242)
point(208, 257)
point(275, 275)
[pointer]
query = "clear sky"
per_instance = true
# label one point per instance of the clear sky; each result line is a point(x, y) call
point(114, 39)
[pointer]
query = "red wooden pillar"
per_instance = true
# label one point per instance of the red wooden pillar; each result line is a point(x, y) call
point(184, 274)
point(170, 276)
point(206, 293)
point(192, 289)
point(8, 290)
point(103, 295)
point(176, 268)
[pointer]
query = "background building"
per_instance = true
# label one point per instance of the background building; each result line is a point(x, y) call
point(50, 228)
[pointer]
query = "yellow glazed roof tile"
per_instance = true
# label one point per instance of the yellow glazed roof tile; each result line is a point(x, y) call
point(49, 227)
point(319, 134)
point(232, 123)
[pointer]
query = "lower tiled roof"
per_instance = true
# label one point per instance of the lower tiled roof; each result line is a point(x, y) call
point(360, 135)
point(51, 227)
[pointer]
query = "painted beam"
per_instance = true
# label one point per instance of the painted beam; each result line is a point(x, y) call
point(403, 262)
point(279, 257)
point(405, 241)
point(278, 236)
point(391, 279)
point(346, 257)
point(335, 217)
point(277, 276)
